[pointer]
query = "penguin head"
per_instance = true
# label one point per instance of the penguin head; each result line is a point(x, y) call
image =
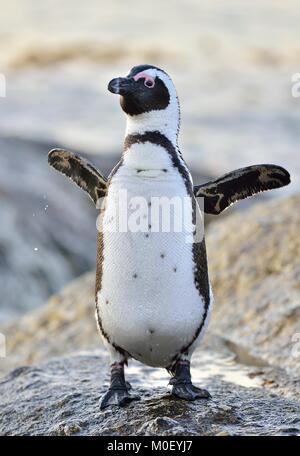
point(145, 89)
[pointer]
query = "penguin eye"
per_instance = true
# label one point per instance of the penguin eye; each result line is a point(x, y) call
point(149, 83)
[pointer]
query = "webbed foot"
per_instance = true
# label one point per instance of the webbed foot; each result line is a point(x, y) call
point(120, 397)
point(182, 383)
point(118, 392)
point(189, 392)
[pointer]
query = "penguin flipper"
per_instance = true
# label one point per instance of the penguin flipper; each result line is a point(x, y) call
point(80, 171)
point(240, 184)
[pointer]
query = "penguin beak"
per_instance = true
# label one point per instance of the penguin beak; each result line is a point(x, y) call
point(120, 86)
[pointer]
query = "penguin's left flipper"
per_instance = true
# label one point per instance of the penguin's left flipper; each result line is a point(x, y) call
point(80, 171)
point(240, 184)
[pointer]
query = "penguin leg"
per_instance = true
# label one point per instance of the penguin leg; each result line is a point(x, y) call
point(182, 383)
point(118, 392)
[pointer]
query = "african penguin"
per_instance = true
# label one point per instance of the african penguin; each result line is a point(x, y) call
point(153, 296)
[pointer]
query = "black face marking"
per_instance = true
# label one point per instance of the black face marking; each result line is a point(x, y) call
point(240, 184)
point(140, 98)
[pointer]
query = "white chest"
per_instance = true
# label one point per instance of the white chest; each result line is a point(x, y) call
point(148, 302)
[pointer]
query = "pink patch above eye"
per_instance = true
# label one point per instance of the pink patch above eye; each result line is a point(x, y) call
point(149, 81)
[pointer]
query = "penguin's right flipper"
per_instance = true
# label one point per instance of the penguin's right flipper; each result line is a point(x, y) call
point(80, 171)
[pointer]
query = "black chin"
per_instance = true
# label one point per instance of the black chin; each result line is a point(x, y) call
point(132, 106)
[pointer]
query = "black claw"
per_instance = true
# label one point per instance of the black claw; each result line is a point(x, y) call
point(119, 397)
point(203, 392)
point(189, 392)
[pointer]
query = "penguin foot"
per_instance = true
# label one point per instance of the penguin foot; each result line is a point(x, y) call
point(120, 397)
point(189, 392)
point(182, 383)
point(118, 392)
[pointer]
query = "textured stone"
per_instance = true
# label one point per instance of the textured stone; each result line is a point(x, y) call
point(254, 261)
point(61, 397)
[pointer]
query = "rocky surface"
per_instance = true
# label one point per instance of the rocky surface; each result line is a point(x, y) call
point(62, 398)
point(254, 261)
point(249, 359)
point(64, 325)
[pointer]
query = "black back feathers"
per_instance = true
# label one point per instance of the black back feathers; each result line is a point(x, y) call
point(80, 171)
point(240, 184)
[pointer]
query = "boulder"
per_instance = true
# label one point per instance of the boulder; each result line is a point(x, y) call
point(61, 397)
point(65, 324)
point(49, 234)
point(254, 262)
